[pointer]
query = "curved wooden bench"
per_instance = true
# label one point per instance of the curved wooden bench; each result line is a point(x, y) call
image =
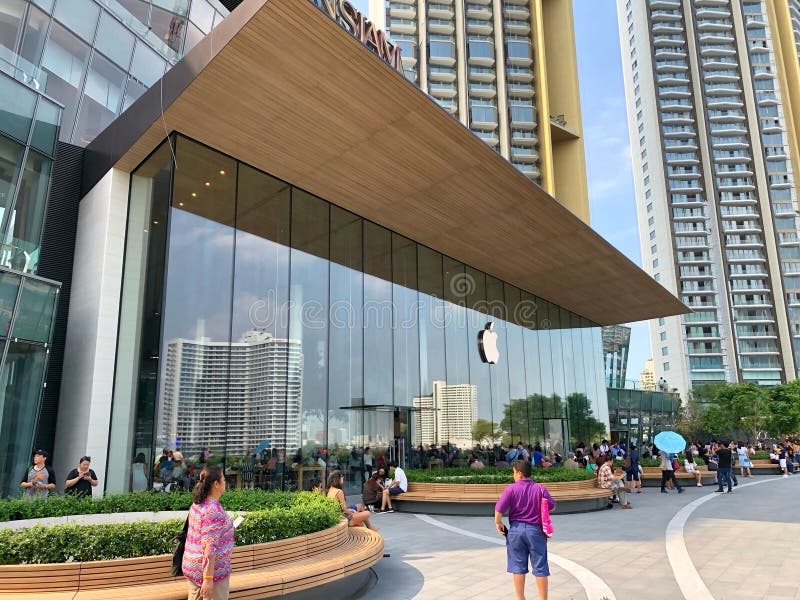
point(570, 496)
point(259, 570)
point(651, 477)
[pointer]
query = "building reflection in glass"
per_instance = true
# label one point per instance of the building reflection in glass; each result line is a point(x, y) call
point(267, 330)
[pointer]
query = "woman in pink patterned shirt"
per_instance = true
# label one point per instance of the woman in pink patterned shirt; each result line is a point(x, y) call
point(209, 540)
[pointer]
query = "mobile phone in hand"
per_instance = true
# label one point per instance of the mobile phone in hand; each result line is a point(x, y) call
point(505, 531)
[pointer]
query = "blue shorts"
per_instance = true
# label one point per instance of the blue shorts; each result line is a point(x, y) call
point(395, 491)
point(527, 542)
point(633, 474)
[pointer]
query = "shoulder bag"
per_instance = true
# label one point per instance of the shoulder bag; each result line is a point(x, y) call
point(177, 553)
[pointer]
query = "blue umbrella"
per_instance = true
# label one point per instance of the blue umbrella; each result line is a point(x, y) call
point(669, 441)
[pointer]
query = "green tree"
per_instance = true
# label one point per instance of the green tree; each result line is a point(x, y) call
point(716, 421)
point(691, 419)
point(783, 408)
point(485, 432)
point(746, 404)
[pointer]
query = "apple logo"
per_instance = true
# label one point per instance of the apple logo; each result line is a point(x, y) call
point(487, 344)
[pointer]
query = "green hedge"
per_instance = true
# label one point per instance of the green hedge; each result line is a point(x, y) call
point(494, 475)
point(61, 506)
point(760, 455)
point(289, 515)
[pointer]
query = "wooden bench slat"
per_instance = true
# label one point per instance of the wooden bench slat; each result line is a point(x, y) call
point(278, 568)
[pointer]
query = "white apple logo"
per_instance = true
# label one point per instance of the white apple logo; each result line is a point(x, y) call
point(487, 344)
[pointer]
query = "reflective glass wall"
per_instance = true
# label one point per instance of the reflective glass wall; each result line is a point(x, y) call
point(267, 330)
point(636, 416)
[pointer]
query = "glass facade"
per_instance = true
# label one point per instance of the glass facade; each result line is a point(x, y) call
point(267, 330)
point(27, 311)
point(96, 57)
point(28, 133)
point(636, 416)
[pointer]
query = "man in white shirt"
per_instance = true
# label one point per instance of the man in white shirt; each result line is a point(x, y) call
point(399, 480)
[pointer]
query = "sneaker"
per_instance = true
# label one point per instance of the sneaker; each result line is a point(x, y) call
point(735, 483)
point(388, 510)
point(627, 506)
point(377, 511)
point(719, 491)
point(699, 485)
point(730, 491)
point(785, 475)
point(680, 490)
point(664, 492)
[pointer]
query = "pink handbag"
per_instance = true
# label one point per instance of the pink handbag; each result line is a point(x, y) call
point(547, 524)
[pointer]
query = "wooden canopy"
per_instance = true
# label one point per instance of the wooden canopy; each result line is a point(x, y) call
point(282, 87)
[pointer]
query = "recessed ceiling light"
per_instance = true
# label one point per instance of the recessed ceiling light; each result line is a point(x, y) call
point(208, 184)
point(180, 203)
point(155, 222)
point(194, 194)
point(222, 172)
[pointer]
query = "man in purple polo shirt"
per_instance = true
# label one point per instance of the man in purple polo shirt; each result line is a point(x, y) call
point(525, 540)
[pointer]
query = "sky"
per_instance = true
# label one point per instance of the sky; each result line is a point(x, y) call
point(605, 127)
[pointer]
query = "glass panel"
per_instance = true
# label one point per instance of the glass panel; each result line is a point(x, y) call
point(140, 9)
point(202, 15)
point(455, 288)
point(20, 391)
point(65, 59)
point(168, 27)
point(132, 421)
point(346, 341)
point(495, 303)
point(45, 4)
point(35, 315)
point(34, 37)
point(453, 406)
point(267, 365)
point(79, 15)
point(133, 91)
point(17, 109)
point(9, 285)
point(527, 315)
point(101, 100)
point(114, 40)
point(308, 323)
point(194, 375)
point(405, 322)
point(45, 129)
point(10, 163)
point(377, 315)
point(11, 12)
point(147, 66)
point(515, 367)
point(193, 36)
point(485, 430)
point(23, 241)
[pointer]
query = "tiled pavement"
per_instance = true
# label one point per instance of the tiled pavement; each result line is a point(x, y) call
point(744, 545)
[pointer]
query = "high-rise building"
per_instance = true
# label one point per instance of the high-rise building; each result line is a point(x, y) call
point(507, 70)
point(446, 416)
point(616, 346)
point(647, 379)
point(713, 98)
point(257, 382)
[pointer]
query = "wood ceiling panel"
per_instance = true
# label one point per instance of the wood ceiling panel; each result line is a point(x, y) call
point(283, 88)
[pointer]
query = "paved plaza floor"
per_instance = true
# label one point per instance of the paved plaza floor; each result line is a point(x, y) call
point(697, 545)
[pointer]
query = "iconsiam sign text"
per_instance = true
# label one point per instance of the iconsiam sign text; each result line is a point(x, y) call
point(357, 25)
